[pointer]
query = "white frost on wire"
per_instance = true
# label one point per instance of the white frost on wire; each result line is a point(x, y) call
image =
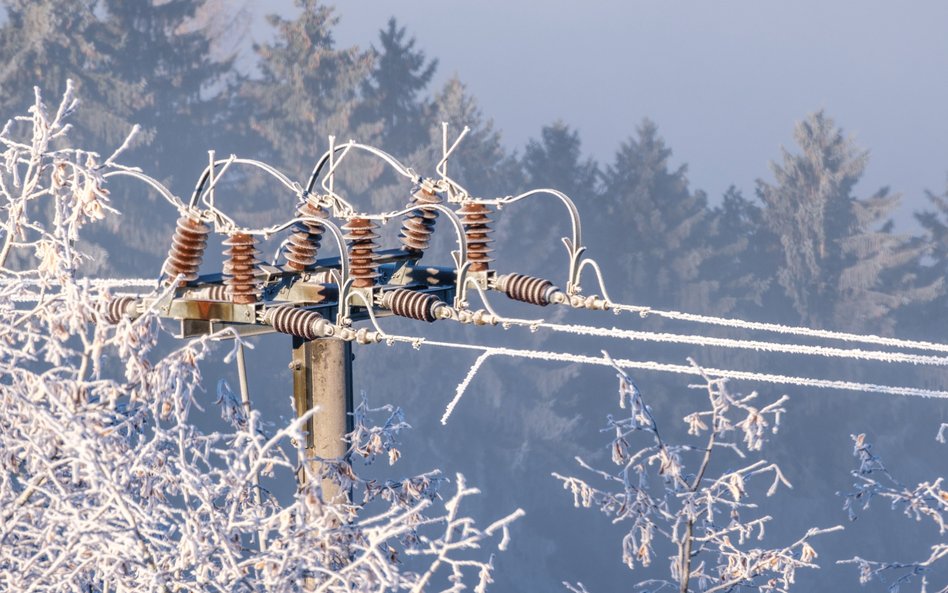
point(783, 329)
point(488, 351)
point(830, 352)
point(462, 387)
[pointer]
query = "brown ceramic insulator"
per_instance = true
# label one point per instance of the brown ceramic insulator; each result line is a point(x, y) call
point(187, 249)
point(240, 266)
point(304, 241)
point(412, 304)
point(117, 308)
point(418, 225)
point(528, 289)
point(308, 325)
point(363, 261)
point(476, 223)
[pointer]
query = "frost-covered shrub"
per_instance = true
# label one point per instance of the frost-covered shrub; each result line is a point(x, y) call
point(106, 483)
point(667, 496)
point(927, 501)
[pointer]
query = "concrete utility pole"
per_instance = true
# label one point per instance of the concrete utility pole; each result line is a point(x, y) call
point(322, 377)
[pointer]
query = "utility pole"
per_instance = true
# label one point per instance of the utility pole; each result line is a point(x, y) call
point(322, 378)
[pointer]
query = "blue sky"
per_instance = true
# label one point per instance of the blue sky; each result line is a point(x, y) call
point(725, 81)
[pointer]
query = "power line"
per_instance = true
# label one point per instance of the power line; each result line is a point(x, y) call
point(488, 351)
point(698, 340)
point(783, 329)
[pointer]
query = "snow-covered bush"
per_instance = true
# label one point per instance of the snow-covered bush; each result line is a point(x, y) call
point(671, 500)
point(107, 484)
point(928, 501)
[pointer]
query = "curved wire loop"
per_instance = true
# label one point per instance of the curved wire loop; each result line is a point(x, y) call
point(210, 177)
point(328, 183)
point(608, 302)
point(163, 191)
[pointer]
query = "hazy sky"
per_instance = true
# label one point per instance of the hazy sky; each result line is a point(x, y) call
point(725, 81)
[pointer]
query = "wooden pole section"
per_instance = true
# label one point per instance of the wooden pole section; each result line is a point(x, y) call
point(322, 376)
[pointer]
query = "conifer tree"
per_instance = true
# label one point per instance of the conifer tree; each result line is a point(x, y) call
point(183, 96)
point(393, 92)
point(842, 265)
point(45, 43)
point(922, 318)
point(656, 224)
point(132, 62)
point(180, 79)
point(743, 256)
point(307, 90)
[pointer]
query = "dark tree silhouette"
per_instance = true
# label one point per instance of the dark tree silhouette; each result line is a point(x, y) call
point(657, 224)
point(393, 91)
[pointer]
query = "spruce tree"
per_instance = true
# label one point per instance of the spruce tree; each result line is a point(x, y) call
point(307, 90)
point(739, 272)
point(923, 318)
point(842, 265)
point(393, 92)
point(183, 97)
point(44, 44)
point(655, 224)
point(179, 77)
point(133, 63)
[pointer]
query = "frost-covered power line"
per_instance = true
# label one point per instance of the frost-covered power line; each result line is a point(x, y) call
point(783, 329)
point(489, 351)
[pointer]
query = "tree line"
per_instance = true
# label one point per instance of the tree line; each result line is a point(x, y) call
point(804, 246)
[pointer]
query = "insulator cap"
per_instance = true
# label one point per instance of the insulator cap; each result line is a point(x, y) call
point(528, 289)
point(412, 304)
point(308, 325)
point(304, 241)
point(474, 217)
point(363, 261)
point(117, 308)
point(240, 267)
point(418, 225)
point(187, 249)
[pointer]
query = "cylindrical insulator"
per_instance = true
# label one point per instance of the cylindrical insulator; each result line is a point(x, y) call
point(187, 249)
point(363, 261)
point(528, 289)
point(418, 225)
point(304, 241)
point(476, 223)
point(412, 304)
point(118, 308)
point(240, 267)
point(308, 325)
point(207, 292)
point(217, 292)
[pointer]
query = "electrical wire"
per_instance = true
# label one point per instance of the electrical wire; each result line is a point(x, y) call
point(697, 340)
point(488, 351)
point(783, 329)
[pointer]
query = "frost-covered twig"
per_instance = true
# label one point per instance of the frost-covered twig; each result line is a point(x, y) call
point(927, 500)
point(700, 515)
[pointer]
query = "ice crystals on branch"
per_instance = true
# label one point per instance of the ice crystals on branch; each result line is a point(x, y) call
point(928, 501)
point(700, 516)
